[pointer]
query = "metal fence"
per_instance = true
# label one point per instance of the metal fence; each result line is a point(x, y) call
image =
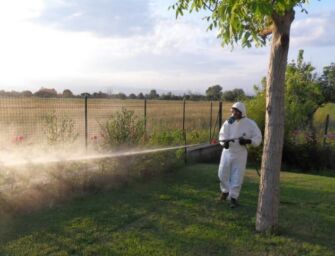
point(329, 131)
point(23, 120)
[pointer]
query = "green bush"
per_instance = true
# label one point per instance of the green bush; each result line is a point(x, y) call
point(197, 136)
point(59, 130)
point(166, 138)
point(309, 156)
point(122, 128)
point(256, 108)
point(176, 137)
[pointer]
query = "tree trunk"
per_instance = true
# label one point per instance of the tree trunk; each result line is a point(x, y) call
point(268, 200)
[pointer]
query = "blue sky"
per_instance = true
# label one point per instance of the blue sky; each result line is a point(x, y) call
point(138, 45)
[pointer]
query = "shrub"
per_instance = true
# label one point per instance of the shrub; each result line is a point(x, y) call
point(256, 107)
point(59, 130)
point(167, 138)
point(309, 157)
point(122, 128)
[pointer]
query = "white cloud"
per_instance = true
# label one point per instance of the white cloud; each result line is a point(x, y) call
point(17, 10)
point(175, 55)
point(314, 30)
point(101, 17)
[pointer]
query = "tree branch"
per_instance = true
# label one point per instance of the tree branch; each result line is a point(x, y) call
point(208, 6)
point(265, 32)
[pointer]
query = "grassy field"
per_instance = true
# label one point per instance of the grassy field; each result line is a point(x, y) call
point(24, 116)
point(320, 117)
point(177, 214)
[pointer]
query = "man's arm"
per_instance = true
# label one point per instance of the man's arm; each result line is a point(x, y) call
point(256, 138)
point(223, 134)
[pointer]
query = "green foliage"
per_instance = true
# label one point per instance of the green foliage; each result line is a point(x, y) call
point(302, 94)
point(319, 122)
point(238, 20)
point(303, 98)
point(234, 95)
point(122, 128)
point(167, 137)
point(327, 82)
point(309, 156)
point(320, 115)
point(46, 93)
point(197, 136)
point(153, 95)
point(256, 111)
point(214, 92)
point(59, 130)
point(256, 106)
point(176, 137)
point(67, 93)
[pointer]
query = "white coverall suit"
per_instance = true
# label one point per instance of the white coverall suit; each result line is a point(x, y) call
point(234, 159)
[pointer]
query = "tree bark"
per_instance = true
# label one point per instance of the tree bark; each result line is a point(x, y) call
point(268, 200)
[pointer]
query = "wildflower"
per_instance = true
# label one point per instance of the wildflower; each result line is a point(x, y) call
point(18, 139)
point(214, 141)
point(94, 138)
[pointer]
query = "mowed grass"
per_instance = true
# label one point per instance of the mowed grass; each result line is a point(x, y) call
point(177, 214)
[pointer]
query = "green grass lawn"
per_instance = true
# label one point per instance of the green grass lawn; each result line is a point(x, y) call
point(177, 214)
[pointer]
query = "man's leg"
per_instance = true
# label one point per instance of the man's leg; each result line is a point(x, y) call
point(237, 174)
point(224, 175)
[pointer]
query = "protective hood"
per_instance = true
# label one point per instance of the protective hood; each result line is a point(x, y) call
point(241, 107)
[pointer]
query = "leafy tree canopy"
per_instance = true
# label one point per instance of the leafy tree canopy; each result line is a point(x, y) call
point(153, 95)
point(234, 95)
point(248, 21)
point(303, 94)
point(327, 82)
point(214, 92)
point(67, 93)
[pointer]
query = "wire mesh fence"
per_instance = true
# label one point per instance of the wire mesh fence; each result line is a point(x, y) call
point(25, 120)
point(33, 120)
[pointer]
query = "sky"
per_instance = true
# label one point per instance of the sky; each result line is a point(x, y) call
point(138, 45)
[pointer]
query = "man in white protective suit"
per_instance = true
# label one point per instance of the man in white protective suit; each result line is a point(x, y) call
point(235, 134)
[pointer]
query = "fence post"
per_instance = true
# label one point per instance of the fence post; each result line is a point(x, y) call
point(326, 130)
point(220, 114)
point(210, 122)
point(86, 123)
point(184, 131)
point(145, 119)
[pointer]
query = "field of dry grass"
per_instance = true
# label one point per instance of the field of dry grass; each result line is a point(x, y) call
point(23, 117)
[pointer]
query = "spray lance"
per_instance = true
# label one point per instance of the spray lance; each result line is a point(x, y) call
point(226, 141)
point(230, 140)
